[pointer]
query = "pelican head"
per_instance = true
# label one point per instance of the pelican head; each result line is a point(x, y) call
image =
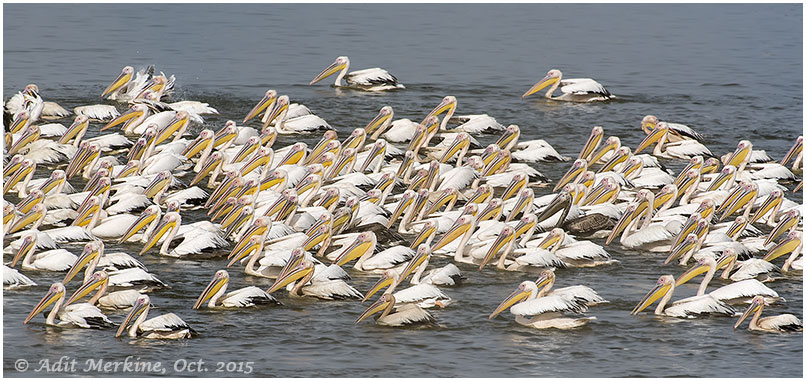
point(654, 136)
point(505, 236)
point(703, 265)
point(682, 248)
point(648, 123)
point(757, 303)
point(170, 221)
point(55, 292)
point(365, 242)
point(662, 287)
point(579, 166)
point(220, 280)
point(448, 104)
point(384, 304)
point(141, 305)
point(788, 221)
point(388, 278)
point(92, 251)
point(524, 290)
point(341, 63)
point(791, 243)
point(741, 154)
point(97, 279)
point(459, 228)
point(623, 222)
point(551, 77)
point(267, 100)
point(19, 122)
point(301, 270)
point(385, 115)
point(34, 216)
point(122, 79)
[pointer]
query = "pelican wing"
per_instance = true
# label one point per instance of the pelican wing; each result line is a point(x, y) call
point(125, 202)
point(475, 124)
point(407, 314)
point(120, 261)
point(13, 279)
point(54, 260)
point(99, 112)
point(247, 297)
point(551, 303)
point(538, 257)
point(752, 268)
point(327, 273)
point(119, 299)
point(53, 109)
point(747, 288)
point(371, 77)
point(581, 294)
point(683, 130)
point(535, 151)
point(184, 195)
point(52, 130)
point(580, 86)
point(133, 276)
point(784, 323)
point(419, 293)
point(197, 241)
point(165, 323)
point(331, 289)
point(84, 315)
point(193, 107)
point(448, 275)
point(583, 250)
point(698, 305)
point(389, 258)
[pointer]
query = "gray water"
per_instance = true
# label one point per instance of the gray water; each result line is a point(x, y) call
point(730, 71)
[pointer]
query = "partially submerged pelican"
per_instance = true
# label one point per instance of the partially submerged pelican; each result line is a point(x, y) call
point(375, 79)
point(573, 89)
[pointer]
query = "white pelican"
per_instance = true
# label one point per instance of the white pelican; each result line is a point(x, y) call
point(792, 244)
point(128, 84)
point(112, 300)
point(167, 326)
point(197, 237)
point(683, 149)
point(740, 292)
point(677, 131)
point(245, 297)
point(424, 295)
point(123, 270)
point(395, 314)
point(683, 308)
point(375, 79)
point(82, 315)
point(574, 89)
point(320, 286)
point(542, 312)
point(51, 260)
point(581, 294)
point(778, 323)
point(287, 125)
point(363, 248)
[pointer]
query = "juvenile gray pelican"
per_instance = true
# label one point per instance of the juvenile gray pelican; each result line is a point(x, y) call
point(374, 79)
point(778, 323)
point(167, 326)
point(573, 89)
point(245, 297)
point(83, 315)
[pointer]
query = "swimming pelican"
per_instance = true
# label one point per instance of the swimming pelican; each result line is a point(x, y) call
point(395, 314)
point(375, 79)
point(104, 299)
point(51, 260)
point(683, 308)
point(542, 312)
point(167, 326)
point(245, 297)
point(778, 323)
point(83, 315)
point(677, 131)
point(735, 293)
point(424, 295)
point(574, 89)
point(683, 149)
point(320, 287)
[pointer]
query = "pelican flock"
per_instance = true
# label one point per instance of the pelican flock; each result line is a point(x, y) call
point(405, 205)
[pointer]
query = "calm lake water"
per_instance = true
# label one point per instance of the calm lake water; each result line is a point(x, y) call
point(730, 71)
